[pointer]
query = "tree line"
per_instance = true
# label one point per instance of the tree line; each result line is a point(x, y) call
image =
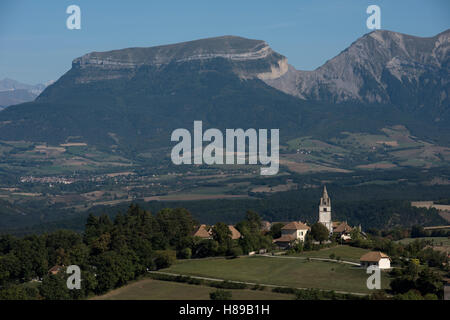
point(111, 252)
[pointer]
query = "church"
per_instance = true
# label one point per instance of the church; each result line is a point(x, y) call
point(296, 230)
point(325, 211)
point(341, 229)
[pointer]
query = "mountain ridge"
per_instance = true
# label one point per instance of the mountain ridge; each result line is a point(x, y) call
point(363, 71)
point(139, 95)
point(236, 49)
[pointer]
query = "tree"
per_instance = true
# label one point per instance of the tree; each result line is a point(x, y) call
point(253, 221)
point(319, 232)
point(18, 292)
point(175, 225)
point(429, 282)
point(164, 258)
point(235, 252)
point(275, 230)
point(184, 253)
point(205, 248)
point(54, 287)
point(222, 234)
point(409, 295)
point(355, 234)
point(114, 269)
point(220, 294)
point(417, 231)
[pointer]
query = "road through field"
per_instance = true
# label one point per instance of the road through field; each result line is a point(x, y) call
point(248, 283)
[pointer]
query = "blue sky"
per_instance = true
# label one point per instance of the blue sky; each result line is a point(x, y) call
point(36, 46)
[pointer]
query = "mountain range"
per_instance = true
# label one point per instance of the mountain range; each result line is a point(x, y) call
point(381, 67)
point(14, 92)
point(133, 98)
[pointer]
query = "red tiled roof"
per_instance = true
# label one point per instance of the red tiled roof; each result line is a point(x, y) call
point(285, 238)
point(235, 234)
point(373, 256)
point(202, 232)
point(55, 269)
point(342, 227)
point(295, 226)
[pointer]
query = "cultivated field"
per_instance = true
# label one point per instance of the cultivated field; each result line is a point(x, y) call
point(149, 289)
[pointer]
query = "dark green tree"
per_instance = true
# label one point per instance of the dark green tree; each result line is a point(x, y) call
point(319, 232)
point(220, 294)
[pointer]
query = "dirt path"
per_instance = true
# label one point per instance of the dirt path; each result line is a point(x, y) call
point(317, 259)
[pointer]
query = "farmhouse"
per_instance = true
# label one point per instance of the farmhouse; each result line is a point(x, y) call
point(203, 232)
point(375, 258)
point(292, 232)
point(55, 269)
point(235, 234)
point(206, 233)
point(342, 229)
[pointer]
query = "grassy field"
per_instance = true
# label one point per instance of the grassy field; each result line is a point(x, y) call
point(149, 289)
point(290, 271)
point(346, 253)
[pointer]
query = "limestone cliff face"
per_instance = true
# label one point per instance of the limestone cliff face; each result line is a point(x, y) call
point(380, 67)
point(249, 58)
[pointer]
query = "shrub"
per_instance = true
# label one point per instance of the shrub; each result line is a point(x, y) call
point(220, 295)
point(164, 258)
point(185, 253)
point(228, 285)
point(284, 290)
point(236, 252)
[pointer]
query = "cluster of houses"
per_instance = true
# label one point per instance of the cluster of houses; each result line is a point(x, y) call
point(205, 232)
point(296, 231)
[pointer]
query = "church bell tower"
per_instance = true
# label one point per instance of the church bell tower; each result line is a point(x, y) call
point(325, 210)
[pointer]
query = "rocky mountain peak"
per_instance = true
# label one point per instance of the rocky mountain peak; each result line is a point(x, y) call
point(371, 67)
point(235, 49)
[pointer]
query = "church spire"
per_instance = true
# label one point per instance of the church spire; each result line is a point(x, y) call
point(325, 210)
point(325, 200)
point(325, 193)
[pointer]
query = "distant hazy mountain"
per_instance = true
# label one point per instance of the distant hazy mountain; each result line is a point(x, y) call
point(14, 92)
point(380, 67)
point(135, 97)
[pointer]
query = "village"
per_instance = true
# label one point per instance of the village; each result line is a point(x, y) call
point(295, 232)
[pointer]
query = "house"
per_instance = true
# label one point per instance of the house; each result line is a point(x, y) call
point(342, 229)
point(292, 232)
point(206, 233)
point(203, 232)
point(55, 269)
point(375, 258)
point(235, 234)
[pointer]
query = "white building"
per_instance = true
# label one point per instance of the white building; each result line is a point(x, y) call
point(325, 210)
point(293, 231)
point(375, 258)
